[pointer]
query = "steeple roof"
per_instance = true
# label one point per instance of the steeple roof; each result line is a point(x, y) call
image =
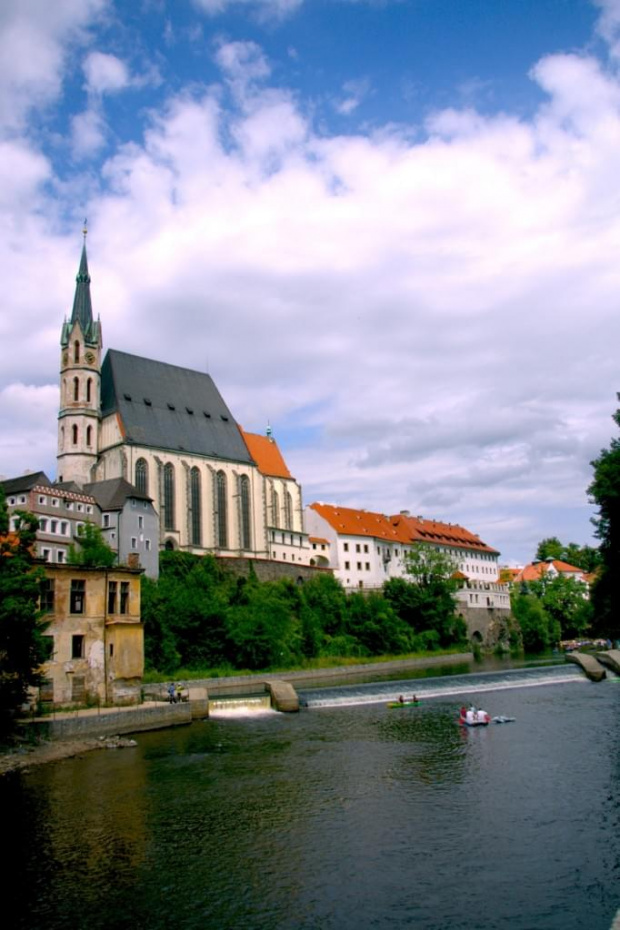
point(82, 307)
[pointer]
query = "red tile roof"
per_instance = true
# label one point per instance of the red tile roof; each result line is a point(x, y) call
point(536, 570)
point(399, 528)
point(264, 450)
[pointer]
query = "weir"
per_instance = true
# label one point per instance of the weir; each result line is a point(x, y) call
point(610, 659)
point(590, 665)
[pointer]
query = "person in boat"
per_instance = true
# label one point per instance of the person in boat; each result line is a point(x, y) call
point(401, 699)
point(463, 712)
point(415, 699)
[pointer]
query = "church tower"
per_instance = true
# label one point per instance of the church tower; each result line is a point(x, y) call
point(80, 385)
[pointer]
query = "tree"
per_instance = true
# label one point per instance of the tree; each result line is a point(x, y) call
point(550, 548)
point(22, 646)
point(565, 602)
point(93, 550)
point(539, 630)
point(604, 491)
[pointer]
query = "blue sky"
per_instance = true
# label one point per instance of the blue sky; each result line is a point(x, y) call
point(390, 229)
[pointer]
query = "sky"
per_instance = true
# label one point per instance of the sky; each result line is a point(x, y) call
point(389, 229)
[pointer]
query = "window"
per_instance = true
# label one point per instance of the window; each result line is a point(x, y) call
point(347, 565)
point(89, 390)
point(89, 435)
point(221, 516)
point(148, 545)
point(106, 520)
point(55, 502)
point(365, 547)
point(47, 595)
point(275, 509)
point(64, 527)
point(288, 510)
point(112, 593)
point(111, 651)
point(43, 500)
point(140, 523)
point(346, 547)
point(88, 508)
point(76, 351)
point(359, 566)
point(358, 547)
point(76, 389)
point(124, 607)
point(43, 525)
point(196, 505)
point(244, 489)
point(169, 496)
point(142, 476)
point(77, 596)
point(74, 437)
point(69, 505)
point(77, 646)
point(60, 556)
point(134, 542)
point(46, 553)
point(367, 566)
point(80, 508)
point(53, 526)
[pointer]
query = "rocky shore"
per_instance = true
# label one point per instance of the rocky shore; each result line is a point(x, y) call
point(25, 756)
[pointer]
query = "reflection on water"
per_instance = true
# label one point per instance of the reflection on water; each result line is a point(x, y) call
point(347, 815)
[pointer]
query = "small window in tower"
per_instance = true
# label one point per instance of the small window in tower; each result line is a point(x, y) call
point(127, 397)
point(89, 390)
point(76, 389)
point(89, 435)
point(76, 351)
point(74, 433)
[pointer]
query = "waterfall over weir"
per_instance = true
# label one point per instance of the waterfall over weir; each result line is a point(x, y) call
point(240, 706)
point(437, 688)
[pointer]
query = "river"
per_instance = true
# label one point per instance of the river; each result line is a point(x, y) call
point(347, 815)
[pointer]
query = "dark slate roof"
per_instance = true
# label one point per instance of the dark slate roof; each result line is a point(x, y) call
point(25, 482)
point(82, 306)
point(113, 493)
point(166, 407)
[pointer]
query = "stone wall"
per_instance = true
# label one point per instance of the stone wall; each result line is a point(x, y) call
point(490, 627)
point(268, 570)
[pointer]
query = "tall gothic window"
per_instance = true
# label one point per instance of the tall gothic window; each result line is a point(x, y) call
point(76, 389)
point(76, 351)
point(195, 491)
point(89, 390)
point(89, 435)
point(275, 509)
point(288, 510)
point(74, 434)
point(244, 490)
point(142, 476)
point(221, 515)
point(169, 496)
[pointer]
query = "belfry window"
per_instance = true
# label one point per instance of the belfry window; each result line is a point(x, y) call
point(169, 496)
point(89, 435)
point(76, 389)
point(76, 351)
point(74, 434)
point(89, 390)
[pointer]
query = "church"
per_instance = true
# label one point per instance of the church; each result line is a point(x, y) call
point(168, 431)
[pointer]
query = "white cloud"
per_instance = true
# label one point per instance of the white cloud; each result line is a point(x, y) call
point(36, 38)
point(264, 9)
point(105, 73)
point(427, 320)
point(353, 93)
point(88, 134)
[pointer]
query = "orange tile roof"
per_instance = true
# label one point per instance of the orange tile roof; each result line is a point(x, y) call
point(350, 522)
point(400, 528)
point(264, 450)
point(440, 534)
point(319, 539)
point(535, 570)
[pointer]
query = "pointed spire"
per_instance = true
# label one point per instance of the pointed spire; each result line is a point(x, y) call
point(82, 306)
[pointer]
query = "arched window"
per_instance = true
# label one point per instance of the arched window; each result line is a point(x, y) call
point(244, 491)
point(76, 351)
point(195, 493)
point(76, 389)
point(221, 514)
point(169, 496)
point(74, 434)
point(142, 476)
point(89, 435)
point(275, 509)
point(288, 510)
point(169, 545)
point(62, 438)
point(89, 390)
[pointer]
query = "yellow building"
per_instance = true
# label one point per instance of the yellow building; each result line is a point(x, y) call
point(96, 649)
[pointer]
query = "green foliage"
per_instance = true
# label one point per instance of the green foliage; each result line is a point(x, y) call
point(22, 645)
point(539, 630)
point(585, 557)
point(427, 566)
point(604, 491)
point(93, 551)
point(565, 602)
point(198, 615)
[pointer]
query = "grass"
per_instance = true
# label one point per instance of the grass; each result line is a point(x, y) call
point(152, 676)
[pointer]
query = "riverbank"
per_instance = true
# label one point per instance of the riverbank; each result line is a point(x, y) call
point(25, 755)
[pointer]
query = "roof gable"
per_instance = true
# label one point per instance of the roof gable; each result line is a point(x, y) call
point(265, 452)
